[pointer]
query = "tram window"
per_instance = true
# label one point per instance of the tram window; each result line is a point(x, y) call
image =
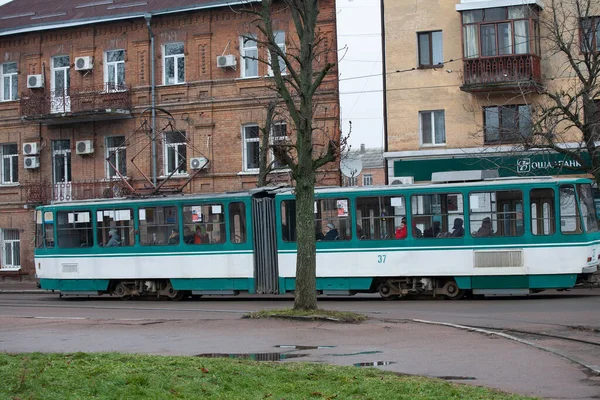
point(288, 220)
point(157, 224)
point(115, 228)
point(44, 229)
point(569, 212)
point(74, 229)
point(588, 208)
point(378, 217)
point(542, 211)
point(204, 224)
point(437, 215)
point(332, 219)
point(237, 222)
point(497, 213)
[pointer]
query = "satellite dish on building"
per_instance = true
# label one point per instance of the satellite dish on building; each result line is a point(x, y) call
point(351, 167)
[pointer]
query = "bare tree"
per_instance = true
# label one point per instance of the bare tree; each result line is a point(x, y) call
point(566, 117)
point(298, 72)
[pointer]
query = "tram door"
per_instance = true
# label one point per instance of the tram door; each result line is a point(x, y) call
point(266, 269)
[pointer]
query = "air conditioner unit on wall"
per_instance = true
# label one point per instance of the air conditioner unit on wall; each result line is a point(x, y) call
point(401, 180)
point(83, 147)
point(31, 148)
point(31, 162)
point(198, 162)
point(35, 81)
point(228, 60)
point(84, 63)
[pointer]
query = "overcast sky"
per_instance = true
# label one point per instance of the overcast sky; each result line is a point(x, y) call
point(361, 100)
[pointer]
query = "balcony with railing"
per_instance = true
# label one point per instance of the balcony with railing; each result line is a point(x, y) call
point(76, 104)
point(502, 73)
point(47, 192)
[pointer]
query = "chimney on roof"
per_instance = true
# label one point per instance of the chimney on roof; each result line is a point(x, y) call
point(362, 148)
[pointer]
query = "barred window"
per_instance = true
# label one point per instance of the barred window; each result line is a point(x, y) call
point(11, 249)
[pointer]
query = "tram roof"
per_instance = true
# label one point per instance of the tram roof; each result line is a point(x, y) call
point(485, 182)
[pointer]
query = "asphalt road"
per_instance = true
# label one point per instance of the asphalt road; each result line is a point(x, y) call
point(566, 323)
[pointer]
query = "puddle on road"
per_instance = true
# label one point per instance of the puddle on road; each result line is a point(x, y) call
point(254, 356)
point(295, 347)
point(374, 363)
point(361, 353)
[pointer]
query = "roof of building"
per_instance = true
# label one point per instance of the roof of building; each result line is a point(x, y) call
point(21, 16)
point(371, 158)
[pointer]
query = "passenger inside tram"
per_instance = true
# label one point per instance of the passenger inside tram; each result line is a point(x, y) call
point(485, 229)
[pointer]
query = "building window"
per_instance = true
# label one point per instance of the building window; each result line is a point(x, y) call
point(10, 163)
point(279, 38)
point(278, 137)
point(11, 249)
point(116, 156)
point(433, 129)
point(175, 153)
point(431, 53)
point(368, 180)
point(251, 144)
point(174, 64)
point(507, 123)
point(9, 85)
point(249, 56)
point(114, 70)
point(498, 31)
point(590, 34)
point(351, 181)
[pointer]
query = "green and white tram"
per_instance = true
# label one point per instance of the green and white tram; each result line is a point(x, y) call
point(487, 236)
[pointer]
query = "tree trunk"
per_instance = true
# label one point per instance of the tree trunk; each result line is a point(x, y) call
point(306, 295)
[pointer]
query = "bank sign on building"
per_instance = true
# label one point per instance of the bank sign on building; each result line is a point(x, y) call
point(421, 167)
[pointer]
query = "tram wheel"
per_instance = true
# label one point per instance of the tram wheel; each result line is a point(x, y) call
point(121, 292)
point(175, 295)
point(452, 291)
point(385, 291)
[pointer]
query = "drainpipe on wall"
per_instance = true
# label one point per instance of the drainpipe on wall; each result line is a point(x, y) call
point(148, 18)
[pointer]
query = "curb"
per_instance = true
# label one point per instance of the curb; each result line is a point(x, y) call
point(595, 369)
point(28, 291)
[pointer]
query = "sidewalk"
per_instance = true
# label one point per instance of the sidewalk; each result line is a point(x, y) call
point(13, 286)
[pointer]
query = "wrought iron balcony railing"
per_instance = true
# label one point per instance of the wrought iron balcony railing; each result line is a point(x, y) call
point(75, 100)
point(46, 192)
point(501, 72)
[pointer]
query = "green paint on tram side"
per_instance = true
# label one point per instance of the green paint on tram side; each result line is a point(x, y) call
point(216, 284)
point(337, 283)
point(545, 281)
point(65, 285)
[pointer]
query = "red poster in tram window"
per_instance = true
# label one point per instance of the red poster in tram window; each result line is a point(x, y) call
point(342, 208)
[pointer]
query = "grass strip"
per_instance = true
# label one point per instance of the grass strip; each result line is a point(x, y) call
point(328, 315)
point(129, 376)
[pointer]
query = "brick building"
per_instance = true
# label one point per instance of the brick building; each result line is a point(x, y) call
point(76, 94)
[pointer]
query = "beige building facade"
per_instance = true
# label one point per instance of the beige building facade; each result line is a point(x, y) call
point(462, 80)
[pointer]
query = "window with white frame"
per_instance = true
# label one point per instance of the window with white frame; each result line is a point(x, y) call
point(249, 56)
point(175, 153)
point(114, 70)
point(11, 249)
point(10, 163)
point(433, 129)
point(251, 143)
point(8, 85)
point(174, 64)
point(367, 180)
point(278, 136)
point(351, 181)
point(279, 38)
point(116, 156)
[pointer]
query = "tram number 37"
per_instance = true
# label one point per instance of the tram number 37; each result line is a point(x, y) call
point(381, 259)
